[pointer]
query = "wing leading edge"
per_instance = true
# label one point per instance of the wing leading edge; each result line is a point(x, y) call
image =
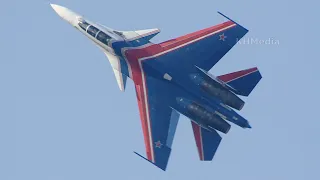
point(203, 48)
point(158, 120)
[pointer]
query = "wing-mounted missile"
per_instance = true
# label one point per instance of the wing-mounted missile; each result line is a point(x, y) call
point(212, 86)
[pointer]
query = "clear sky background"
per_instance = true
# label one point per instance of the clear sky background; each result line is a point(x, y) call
point(63, 116)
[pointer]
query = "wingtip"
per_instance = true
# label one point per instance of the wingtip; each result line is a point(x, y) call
point(232, 20)
point(163, 168)
point(249, 126)
point(224, 16)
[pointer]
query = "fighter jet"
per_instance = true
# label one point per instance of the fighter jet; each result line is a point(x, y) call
point(173, 78)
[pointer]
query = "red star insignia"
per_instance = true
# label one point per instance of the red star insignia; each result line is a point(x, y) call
point(158, 144)
point(222, 37)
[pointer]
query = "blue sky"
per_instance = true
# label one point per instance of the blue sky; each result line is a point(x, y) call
point(63, 116)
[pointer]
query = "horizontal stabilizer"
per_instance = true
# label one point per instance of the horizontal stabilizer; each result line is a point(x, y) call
point(207, 142)
point(242, 82)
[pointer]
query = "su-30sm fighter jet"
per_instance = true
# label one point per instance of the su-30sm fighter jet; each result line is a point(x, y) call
point(172, 78)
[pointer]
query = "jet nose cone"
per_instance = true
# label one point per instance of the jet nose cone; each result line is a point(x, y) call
point(65, 13)
point(60, 10)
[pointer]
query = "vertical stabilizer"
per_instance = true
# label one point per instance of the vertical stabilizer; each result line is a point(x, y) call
point(207, 142)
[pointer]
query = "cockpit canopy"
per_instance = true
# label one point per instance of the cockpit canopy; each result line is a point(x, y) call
point(94, 32)
point(83, 24)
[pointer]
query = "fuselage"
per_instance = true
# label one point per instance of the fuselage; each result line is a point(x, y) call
point(198, 98)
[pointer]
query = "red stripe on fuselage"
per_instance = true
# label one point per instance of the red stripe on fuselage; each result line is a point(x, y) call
point(135, 55)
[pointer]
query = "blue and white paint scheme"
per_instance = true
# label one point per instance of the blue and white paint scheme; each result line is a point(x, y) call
point(172, 78)
point(105, 37)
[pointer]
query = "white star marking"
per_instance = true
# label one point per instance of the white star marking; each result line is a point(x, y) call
point(222, 37)
point(158, 144)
